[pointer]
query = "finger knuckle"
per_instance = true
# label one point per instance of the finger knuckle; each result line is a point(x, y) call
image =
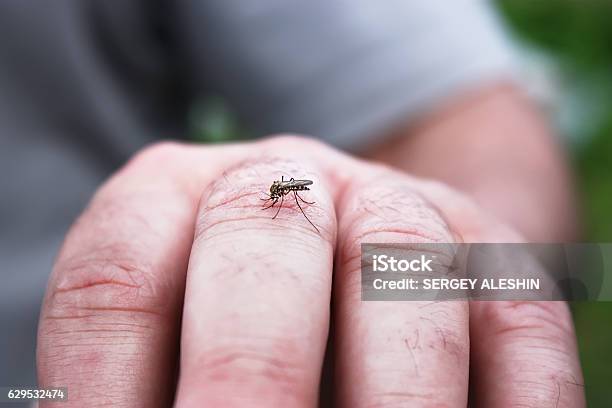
point(110, 280)
point(398, 208)
point(393, 212)
point(234, 202)
point(105, 301)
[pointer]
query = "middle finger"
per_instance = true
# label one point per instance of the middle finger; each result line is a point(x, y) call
point(256, 311)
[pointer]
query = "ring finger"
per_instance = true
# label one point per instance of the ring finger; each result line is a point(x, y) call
point(394, 353)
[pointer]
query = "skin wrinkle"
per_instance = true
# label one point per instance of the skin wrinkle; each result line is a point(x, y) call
point(120, 277)
point(398, 399)
point(520, 328)
point(121, 256)
point(216, 364)
point(352, 274)
point(545, 389)
point(361, 219)
point(233, 362)
point(457, 236)
point(81, 325)
point(106, 331)
point(519, 312)
point(382, 198)
point(547, 392)
point(389, 199)
point(220, 198)
point(204, 232)
point(232, 199)
point(93, 284)
point(353, 245)
point(54, 317)
point(81, 269)
point(547, 318)
point(66, 352)
point(350, 246)
point(139, 298)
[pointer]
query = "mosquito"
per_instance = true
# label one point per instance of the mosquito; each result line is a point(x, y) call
point(279, 189)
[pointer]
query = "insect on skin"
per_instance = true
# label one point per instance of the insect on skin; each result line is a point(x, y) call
point(279, 189)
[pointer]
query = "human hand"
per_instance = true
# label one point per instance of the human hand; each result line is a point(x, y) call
point(175, 249)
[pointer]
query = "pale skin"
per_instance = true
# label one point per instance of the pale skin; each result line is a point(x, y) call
point(494, 145)
point(175, 250)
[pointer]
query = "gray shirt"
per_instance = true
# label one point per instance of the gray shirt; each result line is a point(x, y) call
point(84, 84)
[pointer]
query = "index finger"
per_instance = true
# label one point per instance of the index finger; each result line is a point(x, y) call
point(109, 324)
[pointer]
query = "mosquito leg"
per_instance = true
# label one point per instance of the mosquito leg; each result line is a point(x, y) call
point(304, 201)
point(279, 207)
point(303, 213)
point(271, 205)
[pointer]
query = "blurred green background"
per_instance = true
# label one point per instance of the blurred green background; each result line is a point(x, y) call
point(572, 40)
point(577, 38)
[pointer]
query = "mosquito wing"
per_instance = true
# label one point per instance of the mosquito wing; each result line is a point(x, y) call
point(296, 183)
